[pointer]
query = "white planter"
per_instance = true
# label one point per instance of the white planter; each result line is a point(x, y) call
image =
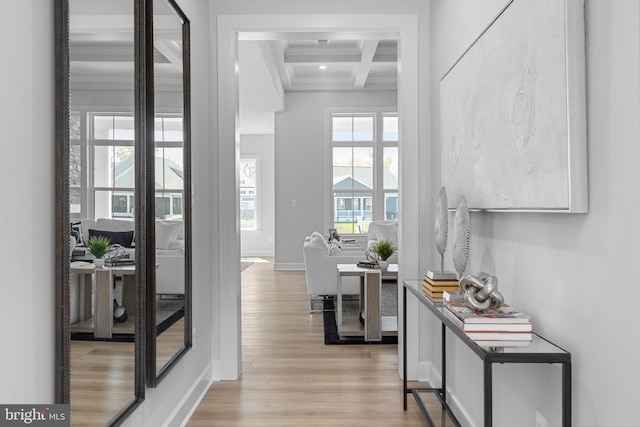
point(383, 264)
point(98, 262)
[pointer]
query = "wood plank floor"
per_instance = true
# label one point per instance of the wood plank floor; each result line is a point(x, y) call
point(102, 375)
point(290, 378)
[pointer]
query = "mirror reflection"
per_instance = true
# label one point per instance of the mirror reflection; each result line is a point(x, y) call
point(101, 204)
point(171, 171)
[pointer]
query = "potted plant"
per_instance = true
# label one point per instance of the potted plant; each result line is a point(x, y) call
point(384, 249)
point(98, 246)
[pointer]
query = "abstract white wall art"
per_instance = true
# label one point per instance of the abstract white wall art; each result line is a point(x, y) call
point(513, 112)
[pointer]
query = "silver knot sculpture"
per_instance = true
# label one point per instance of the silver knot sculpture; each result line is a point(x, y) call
point(481, 291)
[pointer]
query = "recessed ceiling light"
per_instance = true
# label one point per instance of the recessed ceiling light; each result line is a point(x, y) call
point(322, 67)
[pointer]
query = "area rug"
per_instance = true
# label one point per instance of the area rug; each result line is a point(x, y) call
point(351, 307)
point(245, 264)
point(168, 312)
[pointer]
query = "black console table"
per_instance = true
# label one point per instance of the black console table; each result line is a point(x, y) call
point(540, 351)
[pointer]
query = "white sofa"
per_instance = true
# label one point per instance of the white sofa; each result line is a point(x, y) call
point(320, 261)
point(384, 230)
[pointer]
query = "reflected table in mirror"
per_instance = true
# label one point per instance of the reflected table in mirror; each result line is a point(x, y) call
point(97, 303)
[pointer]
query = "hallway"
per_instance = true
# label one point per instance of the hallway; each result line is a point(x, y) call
point(290, 378)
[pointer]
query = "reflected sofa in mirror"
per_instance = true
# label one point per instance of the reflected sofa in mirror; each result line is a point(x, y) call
point(98, 184)
point(169, 316)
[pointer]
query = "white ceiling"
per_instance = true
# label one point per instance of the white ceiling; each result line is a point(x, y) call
point(275, 63)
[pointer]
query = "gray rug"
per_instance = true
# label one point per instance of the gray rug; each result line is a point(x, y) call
point(244, 265)
point(389, 301)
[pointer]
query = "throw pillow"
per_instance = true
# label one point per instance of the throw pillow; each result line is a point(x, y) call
point(319, 243)
point(166, 233)
point(387, 232)
point(122, 238)
point(335, 251)
point(114, 224)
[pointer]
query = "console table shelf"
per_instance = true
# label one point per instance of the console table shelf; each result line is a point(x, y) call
point(540, 351)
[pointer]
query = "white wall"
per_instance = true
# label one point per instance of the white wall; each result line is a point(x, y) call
point(571, 273)
point(27, 218)
point(261, 242)
point(301, 165)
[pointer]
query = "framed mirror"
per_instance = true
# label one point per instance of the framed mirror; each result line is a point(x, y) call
point(101, 171)
point(169, 298)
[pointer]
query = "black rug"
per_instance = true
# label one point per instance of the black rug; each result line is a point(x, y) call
point(331, 336)
point(168, 311)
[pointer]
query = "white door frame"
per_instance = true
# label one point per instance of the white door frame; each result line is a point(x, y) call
point(227, 318)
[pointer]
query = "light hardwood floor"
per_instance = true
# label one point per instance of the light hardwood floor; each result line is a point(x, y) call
point(102, 375)
point(290, 378)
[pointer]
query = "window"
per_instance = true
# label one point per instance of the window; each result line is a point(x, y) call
point(77, 151)
point(364, 169)
point(101, 162)
point(249, 207)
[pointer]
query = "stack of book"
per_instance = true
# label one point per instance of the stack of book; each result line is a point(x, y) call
point(503, 327)
point(368, 264)
point(119, 261)
point(435, 285)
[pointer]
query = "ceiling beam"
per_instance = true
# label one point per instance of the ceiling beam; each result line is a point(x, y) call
point(361, 71)
point(277, 49)
point(270, 52)
point(172, 51)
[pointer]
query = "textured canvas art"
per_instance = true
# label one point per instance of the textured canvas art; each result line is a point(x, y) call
point(509, 111)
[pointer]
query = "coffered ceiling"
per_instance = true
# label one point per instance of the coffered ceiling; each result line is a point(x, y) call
point(272, 64)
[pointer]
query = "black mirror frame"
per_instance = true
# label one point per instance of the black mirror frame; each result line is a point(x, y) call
point(153, 375)
point(62, 69)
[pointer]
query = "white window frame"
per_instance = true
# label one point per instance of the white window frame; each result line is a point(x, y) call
point(87, 144)
point(378, 145)
point(258, 197)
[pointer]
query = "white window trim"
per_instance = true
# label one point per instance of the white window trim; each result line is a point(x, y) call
point(87, 144)
point(379, 113)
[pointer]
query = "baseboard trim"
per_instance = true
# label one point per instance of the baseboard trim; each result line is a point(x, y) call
point(257, 254)
point(189, 403)
point(288, 266)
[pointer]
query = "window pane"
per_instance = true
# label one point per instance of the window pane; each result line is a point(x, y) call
point(163, 207)
point(169, 168)
point(123, 128)
point(390, 128)
point(177, 205)
point(172, 129)
point(74, 126)
point(248, 194)
point(168, 206)
point(157, 129)
point(75, 165)
point(114, 204)
point(390, 171)
point(352, 211)
point(103, 127)
point(342, 128)
point(363, 166)
point(352, 168)
point(113, 166)
point(363, 128)
point(119, 202)
point(391, 206)
point(74, 201)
